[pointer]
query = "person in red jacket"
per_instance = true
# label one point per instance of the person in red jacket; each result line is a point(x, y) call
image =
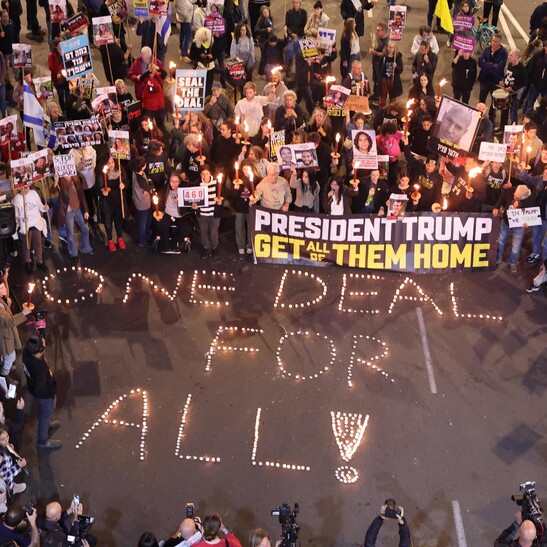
point(56, 66)
point(153, 100)
point(140, 70)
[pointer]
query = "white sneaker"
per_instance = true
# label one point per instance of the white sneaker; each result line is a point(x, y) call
point(19, 487)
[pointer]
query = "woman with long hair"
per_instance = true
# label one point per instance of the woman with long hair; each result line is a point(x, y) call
point(320, 122)
point(390, 70)
point(243, 48)
point(307, 190)
point(337, 201)
point(350, 50)
point(422, 87)
point(264, 27)
point(259, 538)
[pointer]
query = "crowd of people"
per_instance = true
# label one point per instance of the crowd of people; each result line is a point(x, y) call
point(226, 149)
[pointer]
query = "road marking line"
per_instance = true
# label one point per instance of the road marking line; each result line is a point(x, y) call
point(460, 532)
point(427, 354)
point(506, 11)
point(507, 32)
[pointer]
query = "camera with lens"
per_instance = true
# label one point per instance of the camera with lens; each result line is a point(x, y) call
point(287, 519)
point(29, 507)
point(79, 530)
point(531, 506)
point(392, 511)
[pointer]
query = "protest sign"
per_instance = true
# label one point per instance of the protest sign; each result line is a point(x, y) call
point(21, 172)
point(419, 242)
point(326, 38)
point(493, 151)
point(529, 216)
point(103, 30)
point(118, 143)
point(101, 106)
point(454, 128)
point(463, 43)
point(76, 56)
point(158, 7)
point(76, 23)
point(42, 165)
point(512, 137)
point(396, 206)
point(64, 165)
point(217, 25)
point(337, 95)
point(22, 55)
point(383, 166)
point(235, 68)
point(77, 133)
point(277, 139)
point(140, 8)
point(57, 10)
point(303, 155)
point(193, 194)
point(215, 7)
point(8, 128)
point(110, 91)
point(190, 89)
point(357, 103)
point(43, 87)
point(134, 115)
point(397, 17)
point(308, 48)
point(87, 85)
point(463, 23)
point(365, 152)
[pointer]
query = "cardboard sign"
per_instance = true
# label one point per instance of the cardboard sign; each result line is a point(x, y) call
point(76, 23)
point(21, 172)
point(357, 103)
point(337, 96)
point(512, 136)
point(76, 56)
point(529, 216)
point(303, 156)
point(492, 151)
point(102, 106)
point(190, 89)
point(193, 194)
point(64, 165)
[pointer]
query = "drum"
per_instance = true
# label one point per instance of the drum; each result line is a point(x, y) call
point(501, 99)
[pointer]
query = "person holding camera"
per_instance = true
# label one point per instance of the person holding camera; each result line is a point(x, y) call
point(56, 524)
point(388, 511)
point(43, 387)
point(16, 524)
point(522, 533)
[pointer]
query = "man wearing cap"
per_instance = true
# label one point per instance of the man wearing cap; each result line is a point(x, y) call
point(43, 387)
point(217, 106)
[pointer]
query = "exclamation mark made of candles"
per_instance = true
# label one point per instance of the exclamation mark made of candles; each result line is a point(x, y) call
point(348, 430)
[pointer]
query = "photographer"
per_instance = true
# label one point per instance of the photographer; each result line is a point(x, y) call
point(215, 533)
point(522, 533)
point(56, 523)
point(16, 524)
point(388, 510)
point(186, 535)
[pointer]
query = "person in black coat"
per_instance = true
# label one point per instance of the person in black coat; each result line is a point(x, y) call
point(464, 75)
point(347, 9)
point(378, 522)
point(390, 70)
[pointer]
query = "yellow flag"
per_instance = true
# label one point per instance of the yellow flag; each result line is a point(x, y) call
point(442, 11)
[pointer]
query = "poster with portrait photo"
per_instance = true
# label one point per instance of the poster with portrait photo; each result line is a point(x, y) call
point(337, 95)
point(22, 172)
point(42, 164)
point(365, 151)
point(396, 206)
point(57, 11)
point(512, 137)
point(383, 166)
point(8, 128)
point(22, 55)
point(78, 133)
point(285, 156)
point(158, 7)
point(101, 106)
point(118, 144)
point(454, 129)
point(103, 30)
point(215, 8)
point(110, 91)
point(43, 87)
point(397, 17)
point(305, 155)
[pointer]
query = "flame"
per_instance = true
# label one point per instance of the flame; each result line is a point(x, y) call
point(150, 124)
point(442, 82)
point(474, 172)
point(445, 204)
point(219, 178)
point(245, 126)
point(172, 65)
point(416, 187)
point(237, 166)
point(409, 113)
point(330, 79)
point(251, 177)
point(105, 169)
point(31, 287)
point(276, 69)
point(155, 199)
point(337, 137)
point(237, 120)
point(269, 124)
point(409, 103)
point(529, 149)
point(200, 138)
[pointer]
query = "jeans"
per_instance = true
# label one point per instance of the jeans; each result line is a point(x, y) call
point(185, 38)
point(208, 227)
point(44, 413)
point(144, 219)
point(533, 94)
point(7, 363)
point(539, 240)
point(61, 230)
point(517, 235)
point(243, 234)
point(290, 51)
point(76, 215)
